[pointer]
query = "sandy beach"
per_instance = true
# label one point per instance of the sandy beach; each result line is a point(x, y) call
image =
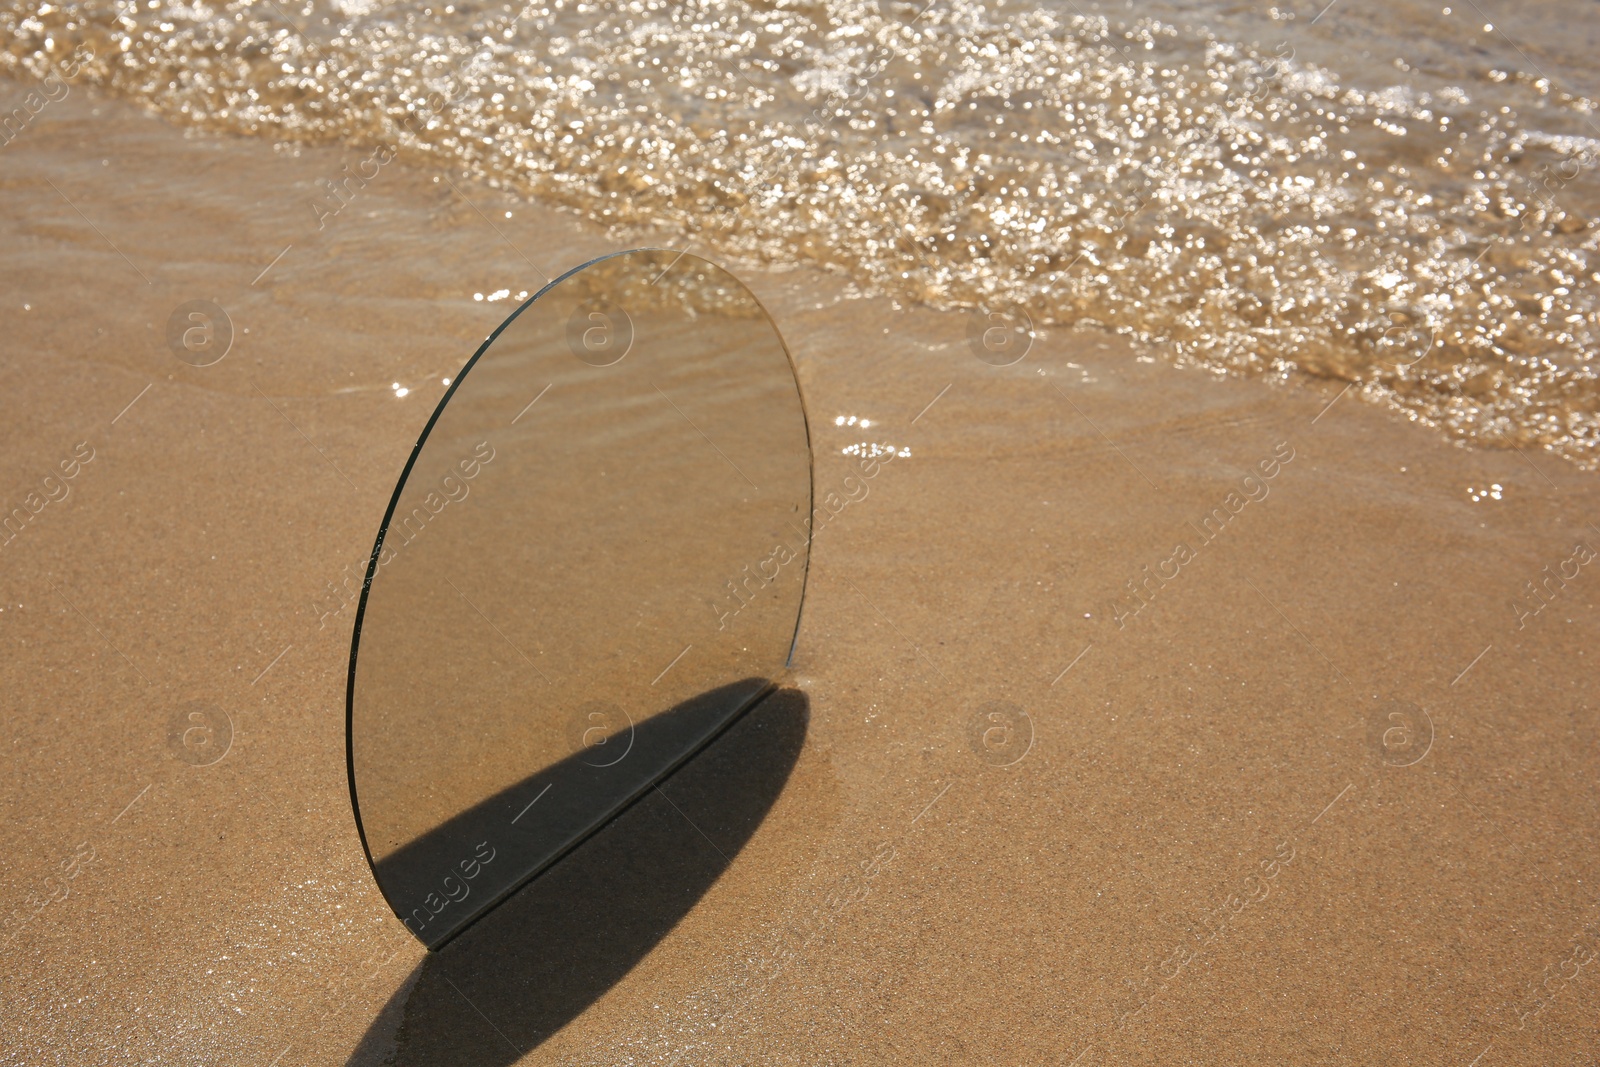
point(1139, 714)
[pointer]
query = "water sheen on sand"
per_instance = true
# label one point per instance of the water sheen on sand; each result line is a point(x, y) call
point(1399, 198)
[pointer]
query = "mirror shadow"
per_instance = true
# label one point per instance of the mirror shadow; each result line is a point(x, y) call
point(515, 977)
point(441, 882)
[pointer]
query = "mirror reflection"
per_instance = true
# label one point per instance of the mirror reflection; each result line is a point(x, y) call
point(593, 563)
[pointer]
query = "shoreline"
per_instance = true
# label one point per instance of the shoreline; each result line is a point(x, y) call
point(1014, 905)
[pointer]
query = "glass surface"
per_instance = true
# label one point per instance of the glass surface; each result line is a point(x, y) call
point(592, 564)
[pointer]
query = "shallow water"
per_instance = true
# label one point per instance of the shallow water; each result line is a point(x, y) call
point(1393, 195)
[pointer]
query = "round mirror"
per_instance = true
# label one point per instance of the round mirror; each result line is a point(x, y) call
point(593, 563)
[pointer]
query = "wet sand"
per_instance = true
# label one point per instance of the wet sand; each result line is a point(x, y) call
point(1213, 846)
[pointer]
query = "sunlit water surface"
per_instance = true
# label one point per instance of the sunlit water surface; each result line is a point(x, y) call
point(1398, 195)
